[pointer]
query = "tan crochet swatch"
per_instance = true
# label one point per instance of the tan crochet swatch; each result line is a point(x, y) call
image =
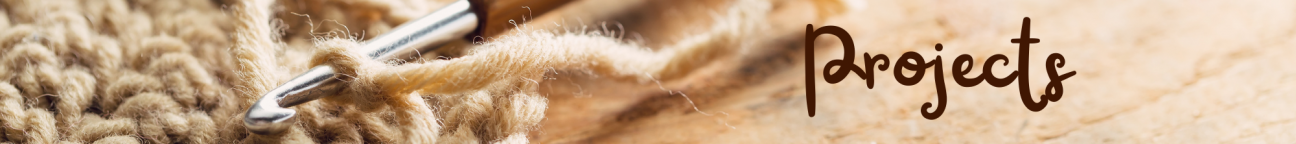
point(184, 71)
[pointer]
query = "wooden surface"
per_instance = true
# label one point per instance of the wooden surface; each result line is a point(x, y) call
point(1148, 72)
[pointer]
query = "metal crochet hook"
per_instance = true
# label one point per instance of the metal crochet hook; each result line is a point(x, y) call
point(270, 116)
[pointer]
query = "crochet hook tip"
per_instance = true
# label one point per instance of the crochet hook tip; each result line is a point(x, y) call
point(269, 115)
point(268, 120)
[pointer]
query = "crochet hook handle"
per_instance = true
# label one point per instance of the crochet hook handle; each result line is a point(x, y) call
point(269, 114)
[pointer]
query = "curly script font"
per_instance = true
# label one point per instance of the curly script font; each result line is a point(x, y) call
point(961, 67)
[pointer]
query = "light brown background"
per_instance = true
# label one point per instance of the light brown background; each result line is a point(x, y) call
point(1148, 72)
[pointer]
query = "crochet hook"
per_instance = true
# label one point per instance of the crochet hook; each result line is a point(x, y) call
point(270, 115)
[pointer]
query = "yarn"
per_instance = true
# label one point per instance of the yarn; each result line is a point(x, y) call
point(490, 94)
point(185, 71)
point(98, 71)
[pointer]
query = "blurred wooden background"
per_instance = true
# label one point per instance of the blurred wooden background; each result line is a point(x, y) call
point(1150, 71)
